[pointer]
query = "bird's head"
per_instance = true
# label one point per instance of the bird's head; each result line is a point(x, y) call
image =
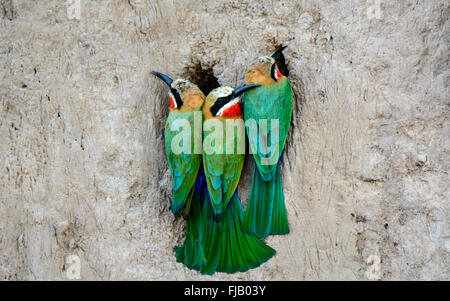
point(224, 101)
point(267, 70)
point(183, 95)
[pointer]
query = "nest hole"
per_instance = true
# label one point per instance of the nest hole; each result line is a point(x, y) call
point(203, 77)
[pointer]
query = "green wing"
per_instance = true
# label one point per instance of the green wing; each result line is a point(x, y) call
point(183, 167)
point(231, 176)
point(223, 171)
point(214, 166)
point(268, 102)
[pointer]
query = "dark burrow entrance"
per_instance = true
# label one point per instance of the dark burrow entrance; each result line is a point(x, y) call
point(203, 77)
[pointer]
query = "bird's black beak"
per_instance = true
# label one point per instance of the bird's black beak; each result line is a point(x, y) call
point(164, 77)
point(174, 91)
point(242, 89)
point(279, 52)
point(280, 61)
point(222, 101)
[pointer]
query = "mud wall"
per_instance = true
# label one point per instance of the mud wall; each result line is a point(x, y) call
point(82, 164)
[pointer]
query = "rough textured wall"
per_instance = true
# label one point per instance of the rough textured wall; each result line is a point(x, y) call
point(82, 165)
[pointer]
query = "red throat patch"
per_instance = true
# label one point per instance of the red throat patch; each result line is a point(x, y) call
point(279, 75)
point(172, 103)
point(233, 111)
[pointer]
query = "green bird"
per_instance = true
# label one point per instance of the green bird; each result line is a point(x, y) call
point(272, 101)
point(227, 248)
point(183, 151)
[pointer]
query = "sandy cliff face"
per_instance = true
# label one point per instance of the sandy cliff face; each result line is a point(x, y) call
point(82, 165)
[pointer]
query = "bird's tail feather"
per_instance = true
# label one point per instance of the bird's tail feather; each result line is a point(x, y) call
point(191, 252)
point(266, 211)
point(227, 248)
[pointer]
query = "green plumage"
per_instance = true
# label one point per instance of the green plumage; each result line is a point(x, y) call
point(183, 167)
point(266, 211)
point(228, 249)
point(215, 240)
point(223, 170)
point(182, 137)
point(191, 253)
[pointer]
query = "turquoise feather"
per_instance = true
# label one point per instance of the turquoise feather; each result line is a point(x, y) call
point(266, 211)
point(183, 167)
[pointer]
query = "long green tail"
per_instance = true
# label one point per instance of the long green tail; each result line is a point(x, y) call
point(228, 249)
point(191, 253)
point(266, 212)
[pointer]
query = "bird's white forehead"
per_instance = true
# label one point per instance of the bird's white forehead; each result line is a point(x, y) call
point(182, 84)
point(222, 92)
point(265, 59)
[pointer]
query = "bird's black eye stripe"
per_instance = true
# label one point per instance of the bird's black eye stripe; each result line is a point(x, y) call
point(220, 102)
point(272, 72)
point(177, 97)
